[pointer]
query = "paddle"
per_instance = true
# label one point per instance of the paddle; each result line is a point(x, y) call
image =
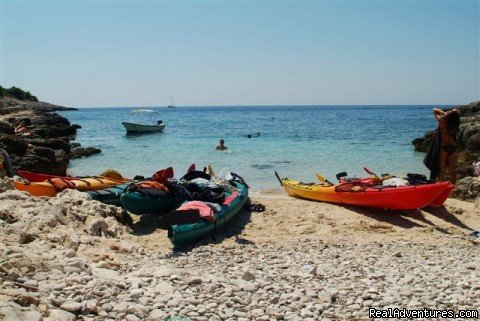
point(323, 179)
point(279, 179)
point(369, 171)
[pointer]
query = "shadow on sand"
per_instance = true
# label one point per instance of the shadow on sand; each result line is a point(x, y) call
point(147, 224)
point(387, 216)
point(444, 214)
point(406, 219)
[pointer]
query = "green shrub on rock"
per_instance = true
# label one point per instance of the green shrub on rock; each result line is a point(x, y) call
point(17, 93)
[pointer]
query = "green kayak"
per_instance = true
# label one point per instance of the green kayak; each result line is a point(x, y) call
point(139, 203)
point(185, 234)
point(110, 195)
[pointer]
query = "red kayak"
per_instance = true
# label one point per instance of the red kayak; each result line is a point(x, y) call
point(39, 177)
point(393, 198)
point(437, 202)
point(443, 196)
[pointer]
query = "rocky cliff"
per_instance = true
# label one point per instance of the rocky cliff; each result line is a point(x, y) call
point(47, 148)
point(468, 184)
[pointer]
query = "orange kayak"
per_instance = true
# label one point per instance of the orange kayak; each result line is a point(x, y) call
point(394, 198)
point(52, 186)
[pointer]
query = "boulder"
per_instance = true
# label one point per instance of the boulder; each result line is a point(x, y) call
point(13, 144)
point(473, 142)
point(467, 188)
point(57, 143)
point(423, 143)
point(83, 152)
point(6, 128)
point(44, 152)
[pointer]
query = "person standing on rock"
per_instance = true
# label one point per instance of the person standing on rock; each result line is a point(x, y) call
point(443, 149)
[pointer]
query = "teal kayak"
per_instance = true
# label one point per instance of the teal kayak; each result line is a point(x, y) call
point(139, 203)
point(110, 195)
point(185, 234)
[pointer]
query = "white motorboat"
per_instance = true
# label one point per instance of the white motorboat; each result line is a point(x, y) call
point(141, 128)
point(144, 128)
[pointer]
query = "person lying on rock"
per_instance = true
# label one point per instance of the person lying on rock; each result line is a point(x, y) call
point(22, 129)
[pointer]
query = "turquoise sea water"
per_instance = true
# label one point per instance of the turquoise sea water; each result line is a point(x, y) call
point(295, 141)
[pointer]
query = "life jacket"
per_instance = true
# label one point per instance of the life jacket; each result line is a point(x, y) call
point(152, 189)
point(189, 213)
point(61, 184)
point(152, 185)
point(204, 211)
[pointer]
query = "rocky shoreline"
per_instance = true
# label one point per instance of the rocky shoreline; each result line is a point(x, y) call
point(48, 148)
point(69, 258)
point(468, 184)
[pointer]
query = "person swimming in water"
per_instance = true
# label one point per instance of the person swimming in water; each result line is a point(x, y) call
point(221, 145)
point(253, 135)
point(448, 124)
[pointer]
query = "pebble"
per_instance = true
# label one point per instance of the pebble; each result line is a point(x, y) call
point(194, 281)
point(71, 306)
point(247, 276)
point(61, 315)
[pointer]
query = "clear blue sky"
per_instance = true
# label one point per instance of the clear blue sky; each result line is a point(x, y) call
point(100, 53)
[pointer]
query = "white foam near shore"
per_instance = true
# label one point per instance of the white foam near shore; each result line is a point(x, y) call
point(68, 258)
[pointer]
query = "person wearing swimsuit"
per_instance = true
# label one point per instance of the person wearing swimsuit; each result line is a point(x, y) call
point(448, 123)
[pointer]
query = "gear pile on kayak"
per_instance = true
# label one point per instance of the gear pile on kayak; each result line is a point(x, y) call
point(190, 208)
point(384, 191)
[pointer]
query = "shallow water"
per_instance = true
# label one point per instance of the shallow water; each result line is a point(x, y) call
point(295, 141)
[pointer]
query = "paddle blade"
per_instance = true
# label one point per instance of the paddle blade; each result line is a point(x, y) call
point(209, 170)
point(322, 179)
point(369, 171)
point(191, 168)
point(163, 175)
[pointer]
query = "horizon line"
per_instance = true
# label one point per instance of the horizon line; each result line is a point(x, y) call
point(309, 105)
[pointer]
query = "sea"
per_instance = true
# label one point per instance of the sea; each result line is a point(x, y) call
point(295, 141)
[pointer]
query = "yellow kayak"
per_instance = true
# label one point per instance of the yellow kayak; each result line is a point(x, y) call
point(52, 186)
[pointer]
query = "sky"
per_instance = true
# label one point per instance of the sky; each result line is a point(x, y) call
point(106, 53)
